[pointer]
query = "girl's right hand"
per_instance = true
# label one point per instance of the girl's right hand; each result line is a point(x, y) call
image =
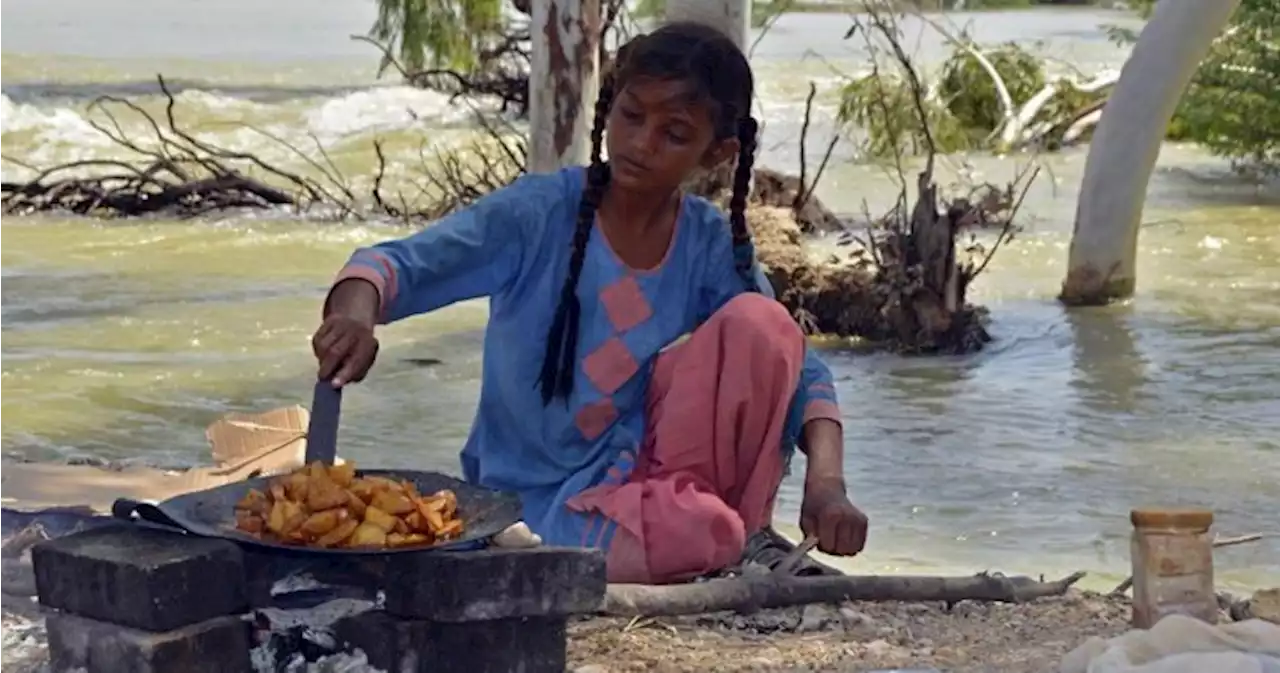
point(345, 348)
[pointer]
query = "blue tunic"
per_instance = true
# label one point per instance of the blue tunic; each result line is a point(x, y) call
point(513, 246)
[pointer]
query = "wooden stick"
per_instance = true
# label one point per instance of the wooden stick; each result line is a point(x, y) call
point(1217, 544)
point(1239, 539)
point(750, 593)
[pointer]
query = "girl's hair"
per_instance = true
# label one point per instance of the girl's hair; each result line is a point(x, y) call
point(718, 73)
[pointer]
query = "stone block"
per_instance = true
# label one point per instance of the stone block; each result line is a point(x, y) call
point(389, 643)
point(495, 584)
point(526, 644)
point(139, 577)
point(219, 645)
point(396, 645)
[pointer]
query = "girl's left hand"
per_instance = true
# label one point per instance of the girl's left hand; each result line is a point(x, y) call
point(827, 512)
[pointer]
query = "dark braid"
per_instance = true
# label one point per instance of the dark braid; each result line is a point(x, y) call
point(562, 340)
point(743, 249)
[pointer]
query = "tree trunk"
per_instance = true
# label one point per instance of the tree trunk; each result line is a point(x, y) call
point(731, 17)
point(1104, 246)
point(563, 82)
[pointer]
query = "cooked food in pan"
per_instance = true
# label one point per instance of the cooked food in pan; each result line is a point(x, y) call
point(328, 506)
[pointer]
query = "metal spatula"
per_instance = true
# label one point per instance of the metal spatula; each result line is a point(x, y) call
point(322, 431)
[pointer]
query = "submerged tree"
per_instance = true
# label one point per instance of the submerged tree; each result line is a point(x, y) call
point(997, 99)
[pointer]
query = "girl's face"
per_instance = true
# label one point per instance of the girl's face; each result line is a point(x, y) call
point(657, 137)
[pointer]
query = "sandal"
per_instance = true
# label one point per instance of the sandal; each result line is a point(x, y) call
point(769, 549)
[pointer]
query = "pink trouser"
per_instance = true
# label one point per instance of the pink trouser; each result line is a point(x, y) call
point(711, 461)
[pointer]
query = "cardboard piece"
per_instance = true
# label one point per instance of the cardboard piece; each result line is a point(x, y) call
point(271, 442)
point(242, 445)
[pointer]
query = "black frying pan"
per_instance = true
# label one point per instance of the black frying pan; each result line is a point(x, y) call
point(211, 513)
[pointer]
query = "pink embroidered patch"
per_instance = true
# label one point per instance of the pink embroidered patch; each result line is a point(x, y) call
point(593, 419)
point(610, 366)
point(626, 304)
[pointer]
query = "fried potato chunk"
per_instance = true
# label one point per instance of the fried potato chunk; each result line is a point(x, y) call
point(332, 506)
point(376, 517)
point(338, 535)
point(368, 535)
point(392, 503)
point(324, 494)
point(322, 523)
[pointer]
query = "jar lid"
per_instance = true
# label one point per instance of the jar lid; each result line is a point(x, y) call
point(1186, 519)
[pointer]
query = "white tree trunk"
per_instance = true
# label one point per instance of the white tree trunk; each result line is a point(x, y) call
point(563, 82)
point(1127, 142)
point(731, 17)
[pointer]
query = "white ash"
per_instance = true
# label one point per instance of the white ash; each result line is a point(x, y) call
point(264, 660)
point(302, 640)
point(321, 616)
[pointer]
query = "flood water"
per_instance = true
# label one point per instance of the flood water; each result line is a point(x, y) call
point(123, 340)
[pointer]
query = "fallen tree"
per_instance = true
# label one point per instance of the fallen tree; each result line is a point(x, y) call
point(175, 174)
point(997, 99)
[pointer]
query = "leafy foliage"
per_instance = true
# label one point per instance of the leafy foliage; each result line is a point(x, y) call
point(1232, 106)
point(881, 106)
point(970, 94)
point(962, 112)
point(437, 33)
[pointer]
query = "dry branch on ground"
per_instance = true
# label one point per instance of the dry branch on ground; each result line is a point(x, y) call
point(749, 593)
point(176, 174)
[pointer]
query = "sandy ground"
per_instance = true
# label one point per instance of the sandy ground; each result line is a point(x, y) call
point(24, 644)
point(990, 638)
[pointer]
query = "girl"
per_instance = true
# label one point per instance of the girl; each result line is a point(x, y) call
point(667, 457)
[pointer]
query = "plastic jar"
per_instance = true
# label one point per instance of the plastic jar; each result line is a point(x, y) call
point(1172, 557)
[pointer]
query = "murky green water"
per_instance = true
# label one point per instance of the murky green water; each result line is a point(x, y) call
point(124, 339)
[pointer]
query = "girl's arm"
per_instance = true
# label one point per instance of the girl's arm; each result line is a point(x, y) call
point(475, 252)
